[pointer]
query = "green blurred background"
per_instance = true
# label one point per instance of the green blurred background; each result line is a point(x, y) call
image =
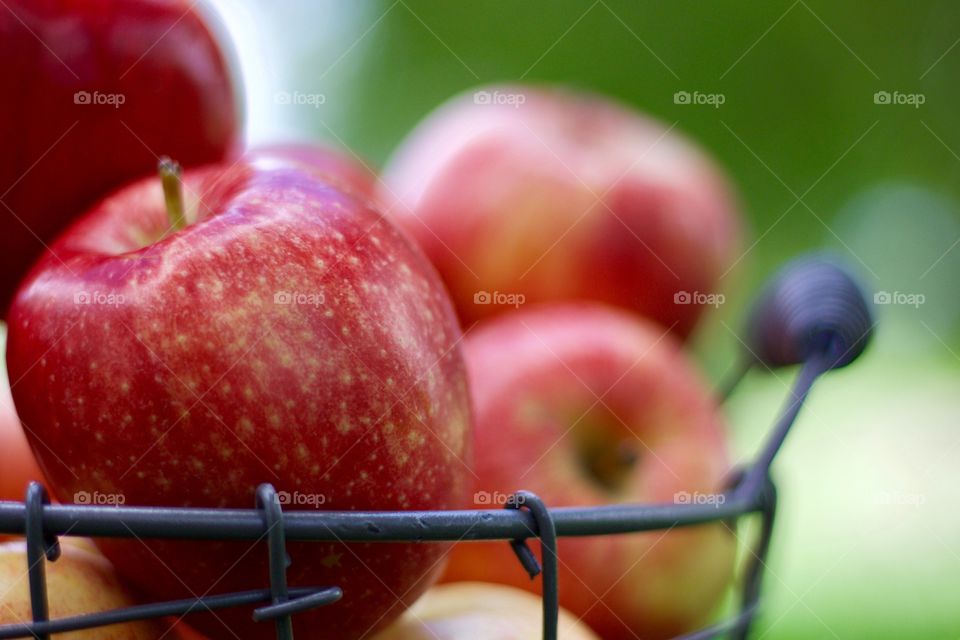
point(868, 542)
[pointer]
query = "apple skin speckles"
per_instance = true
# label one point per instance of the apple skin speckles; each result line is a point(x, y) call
point(289, 335)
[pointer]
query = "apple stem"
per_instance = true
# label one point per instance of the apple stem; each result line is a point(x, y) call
point(170, 177)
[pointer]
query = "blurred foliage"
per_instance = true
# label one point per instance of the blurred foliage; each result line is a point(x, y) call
point(866, 539)
point(799, 131)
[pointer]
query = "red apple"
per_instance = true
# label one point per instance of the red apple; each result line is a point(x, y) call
point(189, 633)
point(348, 172)
point(529, 194)
point(480, 611)
point(286, 333)
point(598, 407)
point(17, 464)
point(80, 581)
point(93, 93)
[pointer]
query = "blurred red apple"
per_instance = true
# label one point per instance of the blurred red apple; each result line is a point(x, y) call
point(528, 194)
point(17, 464)
point(598, 407)
point(286, 333)
point(480, 611)
point(93, 93)
point(80, 581)
point(347, 172)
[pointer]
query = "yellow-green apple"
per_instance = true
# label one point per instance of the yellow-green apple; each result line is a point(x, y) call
point(533, 194)
point(80, 581)
point(93, 90)
point(480, 611)
point(586, 405)
point(266, 326)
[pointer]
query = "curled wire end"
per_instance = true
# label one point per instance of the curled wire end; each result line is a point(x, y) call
point(526, 557)
point(36, 499)
point(41, 546)
point(546, 530)
point(520, 547)
point(284, 604)
point(813, 308)
point(298, 603)
point(268, 502)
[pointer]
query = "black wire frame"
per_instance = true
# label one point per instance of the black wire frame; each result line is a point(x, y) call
point(751, 492)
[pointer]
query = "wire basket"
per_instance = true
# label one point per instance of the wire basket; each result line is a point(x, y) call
point(813, 314)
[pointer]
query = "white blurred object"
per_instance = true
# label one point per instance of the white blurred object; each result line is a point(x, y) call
point(293, 57)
